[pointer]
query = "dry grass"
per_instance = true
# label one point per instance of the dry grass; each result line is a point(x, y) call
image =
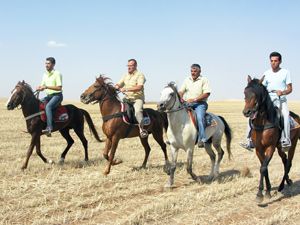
point(78, 193)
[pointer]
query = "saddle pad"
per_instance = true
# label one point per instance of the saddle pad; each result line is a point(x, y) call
point(60, 114)
point(146, 118)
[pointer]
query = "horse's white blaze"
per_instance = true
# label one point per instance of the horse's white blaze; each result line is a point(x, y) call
point(14, 91)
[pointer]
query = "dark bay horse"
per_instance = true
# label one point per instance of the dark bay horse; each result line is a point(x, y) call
point(115, 128)
point(23, 95)
point(266, 133)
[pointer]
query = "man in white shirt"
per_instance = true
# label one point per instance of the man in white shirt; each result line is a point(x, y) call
point(279, 84)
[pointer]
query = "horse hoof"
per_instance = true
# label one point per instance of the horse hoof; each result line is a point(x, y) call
point(280, 188)
point(23, 168)
point(116, 162)
point(50, 161)
point(168, 186)
point(61, 161)
point(268, 195)
point(289, 182)
point(259, 198)
point(105, 173)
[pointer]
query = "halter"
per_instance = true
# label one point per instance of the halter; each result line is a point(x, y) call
point(181, 106)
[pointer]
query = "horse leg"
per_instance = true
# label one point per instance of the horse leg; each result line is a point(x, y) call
point(159, 139)
point(172, 167)
point(39, 153)
point(29, 151)
point(284, 161)
point(80, 134)
point(212, 157)
point(111, 161)
point(65, 133)
point(107, 148)
point(290, 159)
point(147, 148)
point(189, 168)
point(220, 151)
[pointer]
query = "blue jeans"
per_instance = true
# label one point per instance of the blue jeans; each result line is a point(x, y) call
point(53, 101)
point(200, 109)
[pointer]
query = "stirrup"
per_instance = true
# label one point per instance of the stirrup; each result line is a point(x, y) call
point(47, 131)
point(144, 134)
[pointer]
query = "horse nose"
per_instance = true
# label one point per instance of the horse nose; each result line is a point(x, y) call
point(160, 106)
point(246, 112)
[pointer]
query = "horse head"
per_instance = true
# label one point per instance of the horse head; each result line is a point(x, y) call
point(255, 97)
point(18, 95)
point(98, 90)
point(168, 97)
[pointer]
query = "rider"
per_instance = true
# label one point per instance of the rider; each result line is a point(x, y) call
point(52, 83)
point(278, 83)
point(195, 90)
point(132, 84)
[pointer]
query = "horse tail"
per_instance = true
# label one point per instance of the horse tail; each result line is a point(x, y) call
point(228, 135)
point(165, 120)
point(295, 117)
point(91, 124)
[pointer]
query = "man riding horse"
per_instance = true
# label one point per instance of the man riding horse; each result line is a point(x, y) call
point(196, 90)
point(132, 85)
point(278, 83)
point(52, 83)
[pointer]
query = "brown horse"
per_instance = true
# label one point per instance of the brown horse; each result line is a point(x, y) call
point(115, 128)
point(266, 133)
point(23, 95)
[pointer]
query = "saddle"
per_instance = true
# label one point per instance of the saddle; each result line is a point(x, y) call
point(208, 119)
point(60, 114)
point(129, 114)
point(280, 119)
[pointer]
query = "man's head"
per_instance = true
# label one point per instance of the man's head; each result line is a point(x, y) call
point(275, 60)
point(50, 63)
point(195, 71)
point(132, 65)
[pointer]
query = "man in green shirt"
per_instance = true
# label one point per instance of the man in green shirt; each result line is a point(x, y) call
point(52, 84)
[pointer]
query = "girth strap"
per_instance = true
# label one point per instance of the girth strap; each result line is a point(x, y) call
point(116, 115)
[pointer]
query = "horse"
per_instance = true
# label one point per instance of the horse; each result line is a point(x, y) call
point(266, 134)
point(182, 133)
point(115, 128)
point(22, 95)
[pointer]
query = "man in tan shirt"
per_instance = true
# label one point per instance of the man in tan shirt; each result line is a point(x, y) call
point(195, 90)
point(132, 85)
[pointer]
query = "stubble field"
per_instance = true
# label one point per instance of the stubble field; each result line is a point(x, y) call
point(79, 193)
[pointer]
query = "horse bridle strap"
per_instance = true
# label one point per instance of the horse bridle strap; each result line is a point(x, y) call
point(116, 115)
point(34, 115)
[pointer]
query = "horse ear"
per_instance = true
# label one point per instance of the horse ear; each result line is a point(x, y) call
point(249, 78)
point(262, 79)
point(172, 84)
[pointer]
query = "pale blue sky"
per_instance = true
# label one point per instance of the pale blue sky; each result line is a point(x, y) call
point(229, 39)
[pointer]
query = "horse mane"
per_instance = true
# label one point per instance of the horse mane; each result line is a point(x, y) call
point(25, 87)
point(106, 82)
point(265, 103)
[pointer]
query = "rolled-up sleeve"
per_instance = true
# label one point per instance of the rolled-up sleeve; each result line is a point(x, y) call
point(206, 86)
point(141, 79)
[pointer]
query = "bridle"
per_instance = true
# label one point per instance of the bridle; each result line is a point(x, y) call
point(173, 97)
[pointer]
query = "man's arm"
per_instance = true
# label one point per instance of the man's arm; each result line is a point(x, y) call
point(199, 98)
point(132, 89)
point(285, 92)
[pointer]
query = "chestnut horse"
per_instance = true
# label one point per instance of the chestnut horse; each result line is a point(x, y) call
point(23, 95)
point(266, 133)
point(103, 92)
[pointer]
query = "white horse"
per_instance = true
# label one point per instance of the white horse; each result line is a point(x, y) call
point(182, 133)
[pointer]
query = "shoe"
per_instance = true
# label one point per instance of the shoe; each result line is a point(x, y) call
point(200, 144)
point(247, 145)
point(47, 131)
point(143, 133)
point(286, 143)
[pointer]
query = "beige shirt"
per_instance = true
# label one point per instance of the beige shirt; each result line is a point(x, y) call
point(131, 80)
point(193, 89)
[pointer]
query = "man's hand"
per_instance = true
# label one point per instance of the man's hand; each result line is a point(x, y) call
point(279, 93)
point(41, 88)
point(123, 90)
point(117, 86)
point(191, 100)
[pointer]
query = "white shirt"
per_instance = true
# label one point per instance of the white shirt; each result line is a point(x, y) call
point(277, 81)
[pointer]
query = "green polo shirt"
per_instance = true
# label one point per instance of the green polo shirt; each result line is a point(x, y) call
point(53, 78)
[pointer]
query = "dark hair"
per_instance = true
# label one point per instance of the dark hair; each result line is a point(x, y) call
point(196, 66)
point(135, 62)
point(51, 59)
point(276, 54)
